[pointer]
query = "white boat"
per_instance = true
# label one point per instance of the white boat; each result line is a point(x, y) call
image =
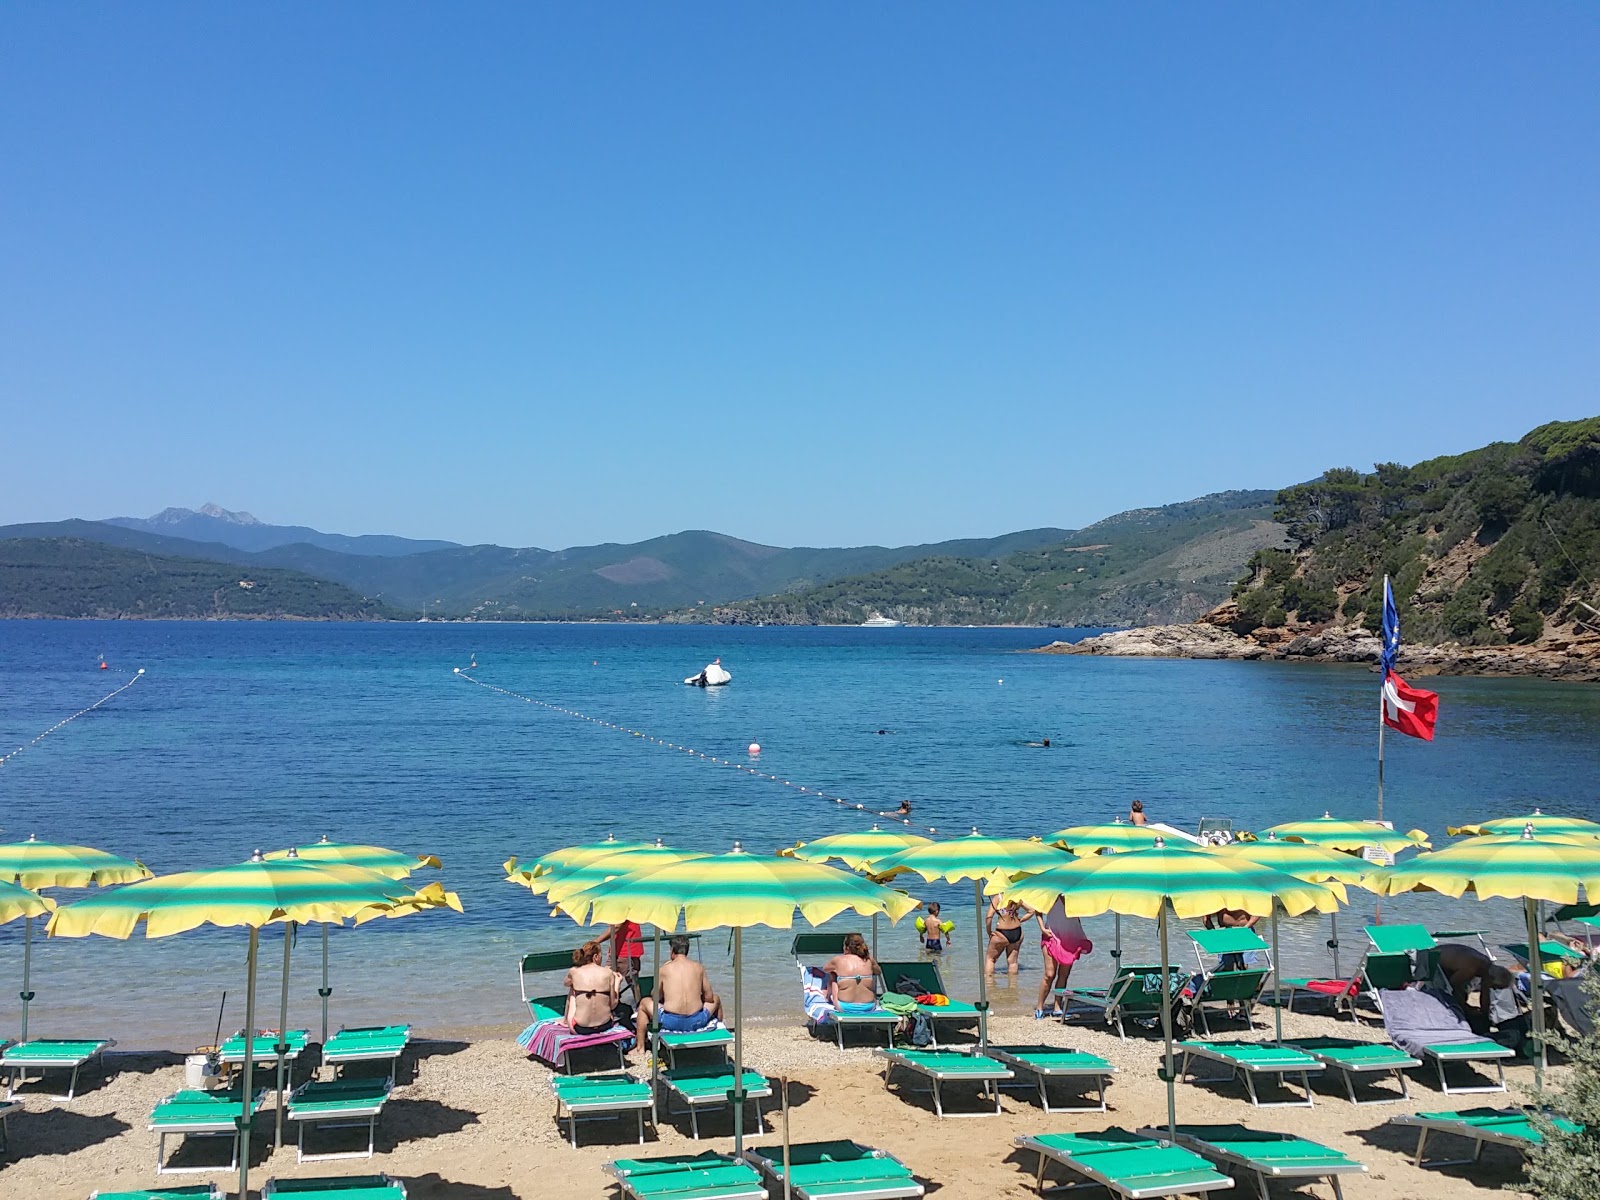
point(879, 621)
point(714, 674)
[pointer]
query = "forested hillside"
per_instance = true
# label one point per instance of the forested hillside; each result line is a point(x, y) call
point(1497, 545)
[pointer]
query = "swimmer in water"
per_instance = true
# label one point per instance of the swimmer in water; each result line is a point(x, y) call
point(903, 811)
point(1042, 744)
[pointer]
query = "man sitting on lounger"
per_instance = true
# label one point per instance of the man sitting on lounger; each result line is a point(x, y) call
point(592, 991)
point(1462, 965)
point(687, 1002)
point(852, 977)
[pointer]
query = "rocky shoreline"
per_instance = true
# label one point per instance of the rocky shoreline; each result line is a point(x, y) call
point(1576, 660)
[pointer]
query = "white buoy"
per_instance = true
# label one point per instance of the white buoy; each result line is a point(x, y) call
point(1000, 681)
point(755, 747)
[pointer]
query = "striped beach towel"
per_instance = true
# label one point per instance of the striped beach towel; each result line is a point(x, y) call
point(814, 996)
point(548, 1041)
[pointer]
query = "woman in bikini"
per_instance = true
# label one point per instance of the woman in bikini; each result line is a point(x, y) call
point(1004, 922)
point(592, 991)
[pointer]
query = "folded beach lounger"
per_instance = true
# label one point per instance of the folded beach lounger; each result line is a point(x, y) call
point(1124, 1163)
point(712, 1087)
point(338, 1104)
point(1045, 1063)
point(589, 1097)
point(371, 1043)
point(836, 1171)
point(1481, 1126)
point(196, 1191)
point(1264, 1154)
point(265, 1047)
point(21, 1059)
point(345, 1187)
point(1236, 988)
point(940, 1067)
point(200, 1114)
point(1431, 1025)
point(1247, 1060)
point(957, 1014)
point(687, 1177)
point(821, 1012)
point(1354, 1059)
point(1134, 993)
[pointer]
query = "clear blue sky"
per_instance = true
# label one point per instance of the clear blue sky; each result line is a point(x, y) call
point(803, 273)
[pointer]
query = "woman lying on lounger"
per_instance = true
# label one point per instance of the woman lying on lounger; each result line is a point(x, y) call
point(852, 977)
point(592, 991)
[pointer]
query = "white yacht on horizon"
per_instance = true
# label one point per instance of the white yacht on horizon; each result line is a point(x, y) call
point(879, 621)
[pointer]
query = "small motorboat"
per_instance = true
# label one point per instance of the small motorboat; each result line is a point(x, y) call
point(879, 621)
point(712, 675)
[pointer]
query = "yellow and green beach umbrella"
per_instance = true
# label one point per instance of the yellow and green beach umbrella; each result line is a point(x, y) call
point(571, 856)
point(1186, 882)
point(392, 864)
point(984, 860)
point(36, 864)
point(250, 894)
point(18, 902)
point(1543, 824)
point(736, 890)
point(560, 882)
point(857, 850)
point(1112, 836)
point(1337, 834)
point(1527, 868)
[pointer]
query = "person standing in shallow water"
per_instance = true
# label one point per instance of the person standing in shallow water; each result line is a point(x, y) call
point(1136, 813)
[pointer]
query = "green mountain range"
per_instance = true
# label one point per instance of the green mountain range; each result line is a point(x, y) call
point(1145, 566)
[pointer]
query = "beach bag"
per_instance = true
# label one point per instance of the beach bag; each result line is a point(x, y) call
point(921, 1029)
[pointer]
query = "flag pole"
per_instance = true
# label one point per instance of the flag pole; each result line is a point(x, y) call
point(1391, 646)
point(1380, 740)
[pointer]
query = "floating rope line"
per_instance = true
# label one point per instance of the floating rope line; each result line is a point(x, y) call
point(841, 801)
point(5, 758)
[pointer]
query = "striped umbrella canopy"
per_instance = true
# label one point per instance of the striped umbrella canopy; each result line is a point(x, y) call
point(393, 864)
point(570, 856)
point(250, 894)
point(984, 860)
point(1527, 868)
point(1337, 834)
point(18, 902)
point(735, 889)
point(1115, 836)
point(1189, 883)
point(858, 850)
point(561, 882)
point(1543, 824)
point(36, 864)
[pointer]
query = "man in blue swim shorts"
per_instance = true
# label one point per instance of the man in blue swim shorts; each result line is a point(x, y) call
point(683, 995)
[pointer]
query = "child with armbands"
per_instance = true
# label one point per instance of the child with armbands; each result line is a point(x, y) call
point(935, 932)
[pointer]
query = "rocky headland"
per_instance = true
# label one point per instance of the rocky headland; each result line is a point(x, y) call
point(1215, 635)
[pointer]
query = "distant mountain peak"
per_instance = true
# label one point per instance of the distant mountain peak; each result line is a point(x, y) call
point(237, 518)
point(176, 516)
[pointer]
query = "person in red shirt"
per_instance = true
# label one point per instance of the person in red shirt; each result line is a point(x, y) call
point(627, 953)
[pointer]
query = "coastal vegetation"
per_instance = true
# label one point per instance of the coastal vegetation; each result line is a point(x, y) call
point(1498, 545)
point(71, 577)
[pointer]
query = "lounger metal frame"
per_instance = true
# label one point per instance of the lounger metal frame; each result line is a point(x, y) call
point(1478, 1137)
point(275, 1187)
point(692, 1107)
point(906, 1188)
point(596, 1111)
point(1439, 1061)
point(344, 1118)
point(1043, 1074)
point(218, 1127)
point(1109, 1002)
point(1091, 1178)
point(336, 1058)
point(989, 1084)
point(1245, 1073)
point(7, 1107)
point(1222, 1157)
point(17, 1073)
point(1347, 1071)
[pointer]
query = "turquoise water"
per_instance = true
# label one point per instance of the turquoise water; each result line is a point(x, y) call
point(265, 735)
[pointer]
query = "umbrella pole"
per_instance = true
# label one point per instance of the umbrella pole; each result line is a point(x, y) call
point(27, 966)
point(1536, 992)
point(788, 1183)
point(654, 1049)
point(1166, 1026)
point(325, 991)
point(874, 937)
point(283, 1034)
point(1116, 953)
point(1277, 972)
point(982, 943)
point(738, 1042)
point(246, 1072)
point(1333, 942)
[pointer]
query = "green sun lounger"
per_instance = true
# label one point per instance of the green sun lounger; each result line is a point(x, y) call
point(20, 1059)
point(687, 1177)
point(372, 1043)
point(819, 947)
point(836, 1171)
point(940, 1067)
point(337, 1104)
point(712, 1087)
point(264, 1048)
point(674, 1044)
point(958, 1013)
point(1125, 1164)
point(1134, 993)
point(1237, 987)
point(1264, 1154)
point(1354, 1059)
point(1481, 1126)
point(7, 1107)
point(1045, 1063)
point(196, 1191)
point(1478, 1050)
point(1247, 1060)
point(593, 1097)
point(200, 1114)
point(346, 1187)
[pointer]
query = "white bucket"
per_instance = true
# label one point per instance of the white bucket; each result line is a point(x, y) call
point(199, 1072)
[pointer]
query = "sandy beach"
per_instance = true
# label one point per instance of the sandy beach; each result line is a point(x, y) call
point(473, 1120)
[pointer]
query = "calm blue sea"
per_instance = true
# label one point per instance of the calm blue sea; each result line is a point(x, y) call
point(250, 735)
